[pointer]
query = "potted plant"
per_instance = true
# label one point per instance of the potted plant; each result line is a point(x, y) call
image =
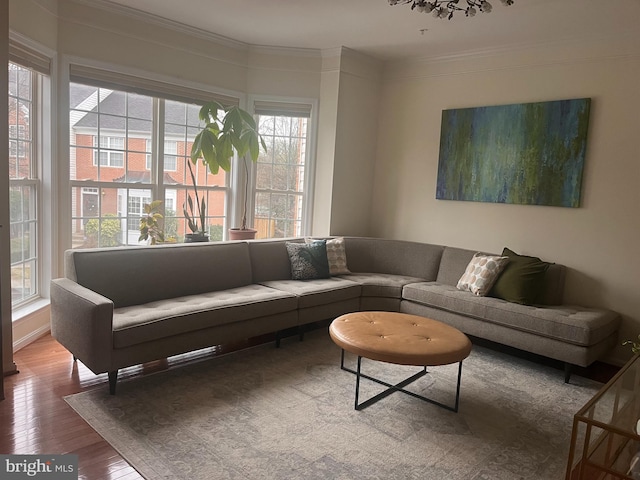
point(635, 346)
point(196, 215)
point(232, 130)
point(150, 227)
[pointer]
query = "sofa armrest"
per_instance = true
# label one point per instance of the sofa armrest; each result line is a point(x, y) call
point(82, 321)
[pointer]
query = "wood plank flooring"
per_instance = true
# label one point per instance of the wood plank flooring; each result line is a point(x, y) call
point(34, 418)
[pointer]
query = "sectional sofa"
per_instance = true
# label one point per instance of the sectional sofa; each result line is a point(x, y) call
point(118, 307)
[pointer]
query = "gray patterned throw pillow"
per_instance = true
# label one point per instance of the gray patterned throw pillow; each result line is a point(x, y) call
point(336, 255)
point(308, 260)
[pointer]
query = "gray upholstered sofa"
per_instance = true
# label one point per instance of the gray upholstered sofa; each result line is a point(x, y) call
point(118, 307)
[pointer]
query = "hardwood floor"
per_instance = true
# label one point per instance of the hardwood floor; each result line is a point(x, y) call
point(35, 419)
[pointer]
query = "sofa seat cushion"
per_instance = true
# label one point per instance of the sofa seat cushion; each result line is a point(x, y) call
point(312, 293)
point(164, 318)
point(381, 284)
point(573, 324)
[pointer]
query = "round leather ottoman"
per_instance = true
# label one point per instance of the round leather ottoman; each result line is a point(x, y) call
point(402, 339)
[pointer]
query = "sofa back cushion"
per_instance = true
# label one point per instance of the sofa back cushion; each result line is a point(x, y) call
point(137, 275)
point(396, 257)
point(270, 260)
point(453, 264)
point(455, 260)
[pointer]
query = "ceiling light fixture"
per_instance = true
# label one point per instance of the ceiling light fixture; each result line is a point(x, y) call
point(446, 8)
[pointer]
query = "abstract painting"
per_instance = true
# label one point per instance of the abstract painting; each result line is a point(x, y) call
point(528, 153)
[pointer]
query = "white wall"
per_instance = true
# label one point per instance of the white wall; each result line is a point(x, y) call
point(348, 120)
point(116, 36)
point(326, 150)
point(354, 159)
point(36, 19)
point(598, 241)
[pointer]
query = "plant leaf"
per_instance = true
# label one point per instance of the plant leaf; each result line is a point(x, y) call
point(248, 119)
point(207, 145)
point(203, 214)
point(250, 139)
point(239, 143)
point(196, 148)
point(209, 111)
point(225, 152)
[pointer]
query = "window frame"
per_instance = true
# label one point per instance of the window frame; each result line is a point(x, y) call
point(91, 73)
point(290, 104)
point(39, 61)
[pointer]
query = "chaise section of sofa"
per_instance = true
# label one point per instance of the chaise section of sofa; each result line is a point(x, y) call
point(572, 334)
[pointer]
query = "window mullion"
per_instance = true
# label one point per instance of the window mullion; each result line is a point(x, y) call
point(157, 150)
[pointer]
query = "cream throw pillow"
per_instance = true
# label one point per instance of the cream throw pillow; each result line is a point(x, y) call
point(336, 255)
point(481, 273)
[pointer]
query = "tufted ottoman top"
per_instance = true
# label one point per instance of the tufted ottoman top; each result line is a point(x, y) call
point(399, 338)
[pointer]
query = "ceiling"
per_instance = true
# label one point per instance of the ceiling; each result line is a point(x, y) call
point(386, 32)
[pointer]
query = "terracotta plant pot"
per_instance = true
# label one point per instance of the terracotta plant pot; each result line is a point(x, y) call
point(242, 234)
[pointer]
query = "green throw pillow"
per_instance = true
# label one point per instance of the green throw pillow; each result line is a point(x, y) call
point(522, 280)
point(308, 260)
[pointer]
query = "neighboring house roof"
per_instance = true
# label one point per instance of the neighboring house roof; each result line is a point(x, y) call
point(138, 108)
point(144, 177)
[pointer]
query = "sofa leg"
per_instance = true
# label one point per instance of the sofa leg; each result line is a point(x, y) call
point(278, 339)
point(301, 333)
point(113, 378)
point(567, 372)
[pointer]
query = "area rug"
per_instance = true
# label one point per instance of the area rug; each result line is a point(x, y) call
point(288, 413)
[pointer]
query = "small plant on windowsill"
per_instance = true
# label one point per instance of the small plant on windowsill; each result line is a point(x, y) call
point(150, 226)
point(232, 130)
point(635, 346)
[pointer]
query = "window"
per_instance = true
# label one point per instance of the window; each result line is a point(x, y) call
point(281, 173)
point(24, 185)
point(135, 208)
point(18, 140)
point(110, 151)
point(170, 158)
point(114, 168)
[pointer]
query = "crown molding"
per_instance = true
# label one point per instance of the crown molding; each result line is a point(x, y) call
point(522, 48)
point(179, 27)
point(153, 19)
point(343, 52)
point(522, 56)
point(285, 51)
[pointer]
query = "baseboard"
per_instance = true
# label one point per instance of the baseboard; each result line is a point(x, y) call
point(31, 327)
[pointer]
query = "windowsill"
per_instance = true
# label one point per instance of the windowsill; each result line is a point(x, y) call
point(30, 322)
point(29, 309)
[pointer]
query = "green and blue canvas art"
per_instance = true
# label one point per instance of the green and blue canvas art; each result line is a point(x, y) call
point(529, 153)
